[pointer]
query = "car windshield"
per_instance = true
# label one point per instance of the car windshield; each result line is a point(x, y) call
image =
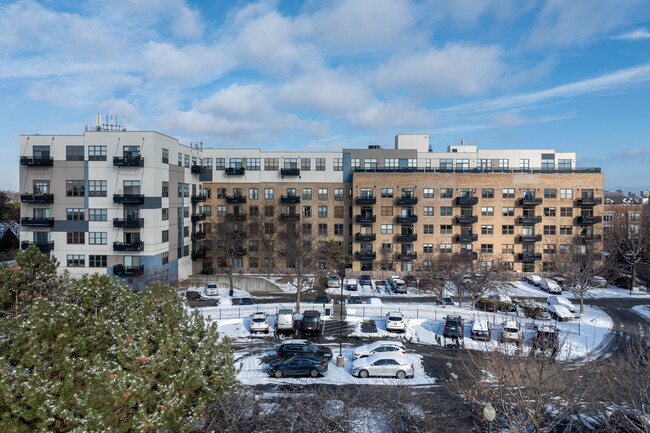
point(259, 320)
point(395, 318)
point(332, 277)
point(510, 329)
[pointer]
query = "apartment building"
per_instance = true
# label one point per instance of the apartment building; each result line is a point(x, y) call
point(112, 201)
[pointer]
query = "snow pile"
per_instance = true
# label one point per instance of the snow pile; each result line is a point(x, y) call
point(643, 310)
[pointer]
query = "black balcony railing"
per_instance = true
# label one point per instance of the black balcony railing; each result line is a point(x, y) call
point(37, 198)
point(128, 198)
point(44, 246)
point(463, 219)
point(198, 236)
point(290, 199)
point(366, 218)
point(128, 246)
point(198, 169)
point(466, 201)
point(410, 237)
point(407, 200)
point(128, 271)
point(128, 161)
point(202, 197)
point(407, 219)
point(530, 201)
point(473, 255)
point(129, 222)
point(235, 171)
point(235, 199)
point(290, 172)
point(36, 162)
point(236, 216)
point(198, 217)
point(365, 255)
point(530, 219)
point(586, 220)
point(526, 239)
point(407, 256)
point(536, 170)
point(37, 222)
point(588, 239)
point(199, 253)
point(589, 201)
point(365, 238)
point(290, 216)
point(366, 200)
point(466, 237)
point(529, 257)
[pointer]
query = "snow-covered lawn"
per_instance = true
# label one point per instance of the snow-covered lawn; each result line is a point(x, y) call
point(643, 310)
point(523, 288)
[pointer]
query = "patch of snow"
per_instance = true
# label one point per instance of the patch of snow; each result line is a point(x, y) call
point(643, 310)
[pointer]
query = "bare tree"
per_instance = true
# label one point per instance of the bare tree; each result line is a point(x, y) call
point(335, 256)
point(576, 266)
point(432, 270)
point(297, 248)
point(629, 243)
point(265, 230)
point(228, 237)
point(483, 276)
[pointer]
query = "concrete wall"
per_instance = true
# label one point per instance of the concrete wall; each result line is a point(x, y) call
point(250, 284)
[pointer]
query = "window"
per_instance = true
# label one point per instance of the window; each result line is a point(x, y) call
point(322, 229)
point(180, 159)
point(76, 237)
point(290, 163)
point(306, 193)
point(355, 163)
point(268, 211)
point(446, 192)
point(446, 211)
point(549, 212)
point(186, 231)
point(320, 164)
point(97, 214)
point(338, 164)
point(41, 187)
point(271, 164)
point(268, 193)
point(504, 163)
point(370, 163)
point(387, 192)
point(564, 164)
point(548, 164)
point(487, 210)
point(322, 193)
point(507, 211)
point(445, 248)
point(221, 193)
point(74, 214)
point(76, 260)
point(568, 212)
point(252, 210)
point(165, 189)
point(187, 161)
point(165, 235)
point(445, 229)
point(387, 211)
point(447, 164)
point(97, 238)
point(462, 164)
point(165, 257)
point(487, 193)
point(508, 193)
point(338, 194)
point(306, 229)
point(428, 192)
point(507, 248)
point(566, 230)
point(566, 193)
point(97, 188)
point(487, 248)
point(132, 187)
point(428, 229)
point(220, 163)
point(524, 164)
point(165, 214)
point(253, 245)
point(96, 153)
point(74, 188)
point(387, 229)
point(391, 163)
point(322, 211)
point(487, 230)
point(74, 153)
point(207, 164)
point(338, 229)
point(180, 190)
point(427, 248)
point(507, 230)
point(306, 211)
point(186, 212)
point(550, 230)
point(253, 193)
point(428, 210)
point(253, 164)
point(338, 211)
point(550, 193)
point(549, 248)
point(95, 261)
point(186, 250)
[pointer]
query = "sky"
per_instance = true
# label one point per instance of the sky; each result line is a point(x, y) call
point(325, 75)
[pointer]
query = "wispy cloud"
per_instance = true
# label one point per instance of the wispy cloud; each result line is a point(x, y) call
point(641, 33)
point(634, 153)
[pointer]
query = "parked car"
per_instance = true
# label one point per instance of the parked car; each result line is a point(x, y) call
point(395, 322)
point(310, 321)
point(410, 281)
point(333, 281)
point(399, 286)
point(392, 278)
point(599, 281)
point(561, 300)
point(259, 322)
point(381, 346)
point(481, 330)
point(383, 364)
point(534, 279)
point(298, 365)
point(560, 313)
point(246, 301)
point(321, 300)
point(550, 286)
point(512, 332)
point(534, 310)
point(192, 295)
point(285, 320)
point(546, 338)
point(374, 301)
point(354, 300)
point(365, 280)
point(453, 327)
point(211, 289)
point(449, 301)
point(504, 303)
point(351, 285)
point(303, 347)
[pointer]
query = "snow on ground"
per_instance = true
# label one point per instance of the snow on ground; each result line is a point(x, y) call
point(376, 290)
point(224, 292)
point(525, 289)
point(643, 310)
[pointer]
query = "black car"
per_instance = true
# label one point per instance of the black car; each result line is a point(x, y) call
point(453, 327)
point(192, 296)
point(321, 300)
point(298, 365)
point(546, 338)
point(304, 347)
point(354, 300)
point(246, 301)
point(310, 321)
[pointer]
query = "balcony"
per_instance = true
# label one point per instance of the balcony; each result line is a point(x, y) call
point(365, 238)
point(527, 239)
point(530, 201)
point(44, 246)
point(238, 171)
point(366, 219)
point(37, 198)
point(530, 219)
point(407, 200)
point(408, 256)
point(128, 246)
point(589, 201)
point(587, 220)
point(289, 199)
point(128, 271)
point(407, 219)
point(235, 199)
point(126, 161)
point(199, 253)
point(290, 216)
point(472, 255)
point(236, 216)
point(37, 222)
point(529, 257)
point(365, 255)
point(202, 197)
point(128, 223)
point(36, 162)
point(411, 237)
point(589, 239)
point(197, 169)
point(466, 201)
point(198, 236)
point(466, 219)
point(366, 200)
point(290, 172)
point(128, 198)
point(198, 217)
point(466, 238)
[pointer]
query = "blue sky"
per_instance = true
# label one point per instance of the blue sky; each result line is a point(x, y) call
point(562, 74)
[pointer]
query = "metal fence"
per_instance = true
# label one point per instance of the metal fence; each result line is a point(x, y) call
point(239, 311)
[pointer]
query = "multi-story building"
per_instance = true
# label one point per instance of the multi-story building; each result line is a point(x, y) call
point(111, 201)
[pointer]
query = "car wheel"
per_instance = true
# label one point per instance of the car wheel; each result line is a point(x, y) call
point(363, 374)
point(313, 372)
point(401, 375)
point(278, 373)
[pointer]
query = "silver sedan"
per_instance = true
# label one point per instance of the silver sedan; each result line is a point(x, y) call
point(383, 364)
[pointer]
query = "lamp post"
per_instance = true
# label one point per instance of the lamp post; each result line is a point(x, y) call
point(489, 414)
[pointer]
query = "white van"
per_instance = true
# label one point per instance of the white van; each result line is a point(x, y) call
point(285, 319)
point(561, 300)
point(481, 330)
point(550, 286)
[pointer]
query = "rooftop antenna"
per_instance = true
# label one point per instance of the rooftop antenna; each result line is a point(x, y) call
point(462, 141)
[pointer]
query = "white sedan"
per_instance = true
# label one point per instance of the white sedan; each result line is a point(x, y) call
point(383, 364)
point(395, 347)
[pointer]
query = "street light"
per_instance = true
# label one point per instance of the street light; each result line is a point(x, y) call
point(489, 414)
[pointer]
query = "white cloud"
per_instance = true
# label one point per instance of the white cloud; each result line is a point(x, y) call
point(190, 65)
point(467, 12)
point(391, 115)
point(634, 35)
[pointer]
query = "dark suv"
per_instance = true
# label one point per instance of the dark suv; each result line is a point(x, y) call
point(453, 327)
point(303, 347)
point(310, 321)
point(546, 338)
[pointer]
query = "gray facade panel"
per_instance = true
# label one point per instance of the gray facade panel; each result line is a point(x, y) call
point(70, 226)
point(152, 203)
